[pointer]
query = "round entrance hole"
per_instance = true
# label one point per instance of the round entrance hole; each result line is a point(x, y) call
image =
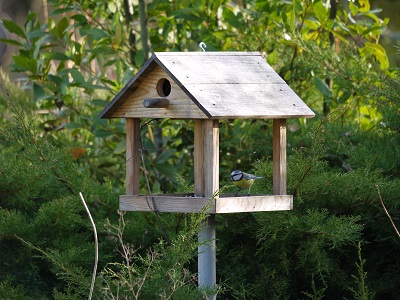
point(163, 87)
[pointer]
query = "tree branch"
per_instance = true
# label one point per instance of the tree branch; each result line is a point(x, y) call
point(387, 213)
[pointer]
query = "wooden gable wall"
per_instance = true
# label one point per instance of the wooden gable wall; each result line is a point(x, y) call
point(181, 106)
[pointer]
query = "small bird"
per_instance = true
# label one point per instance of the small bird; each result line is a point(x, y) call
point(243, 180)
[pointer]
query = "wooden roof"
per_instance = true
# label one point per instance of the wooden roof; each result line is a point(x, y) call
point(214, 85)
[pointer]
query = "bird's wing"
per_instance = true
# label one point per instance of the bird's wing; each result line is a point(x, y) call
point(249, 176)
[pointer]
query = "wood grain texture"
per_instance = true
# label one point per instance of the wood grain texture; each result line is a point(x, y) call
point(129, 88)
point(132, 156)
point(180, 105)
point(199, 68)
point(224, 204)
point(211, 158)
point(215, 85)
point(249, 101)
point(206, 158)
point(279, 156)
point(164, 203)
point(198, 166)
point(254, 203)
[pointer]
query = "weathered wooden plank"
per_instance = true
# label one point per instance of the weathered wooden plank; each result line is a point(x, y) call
point(132, 156)
point(209, 53)
point(211, 157)
point(250, 101)
point(224, 204)
point(254, 203)
point(206, 157)
point(180, 105)
point(164, 203)
point(210, 85)
point(279, 156)
point(198, 166)
point(129, 88)
point(217, 69)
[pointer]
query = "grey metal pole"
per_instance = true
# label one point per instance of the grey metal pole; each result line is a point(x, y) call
point(207, 255)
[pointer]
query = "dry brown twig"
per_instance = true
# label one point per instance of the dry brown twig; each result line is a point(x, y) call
point(387, 213)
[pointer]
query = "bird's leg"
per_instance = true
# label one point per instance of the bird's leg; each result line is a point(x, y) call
point(248, 191)
point(238, 192)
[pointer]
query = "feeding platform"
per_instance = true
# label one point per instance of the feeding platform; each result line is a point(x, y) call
point(189, 203)
point(206, 87)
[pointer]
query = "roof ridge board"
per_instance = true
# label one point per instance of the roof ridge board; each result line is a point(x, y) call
point(179, 83)
point(122, 94)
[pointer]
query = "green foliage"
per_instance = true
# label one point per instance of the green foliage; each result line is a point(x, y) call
point(162, 271)
point(54, 146)
point(10, 291)
point(45, 236)
point(362, 290)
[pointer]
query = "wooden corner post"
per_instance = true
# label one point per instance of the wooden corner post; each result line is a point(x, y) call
point(132, 156)
point(279, 156)
point(206, 184)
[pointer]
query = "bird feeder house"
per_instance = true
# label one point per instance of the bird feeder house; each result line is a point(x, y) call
point(206, 87)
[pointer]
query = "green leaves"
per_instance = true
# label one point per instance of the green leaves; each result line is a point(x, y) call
point(94, 33)
point(376, 51)
point(76, 62)
point(39, 93)
point(231, 18)
point(62, 27)
point(12, 27)
point(322, 87)
point(320, 11)
point(78, 78)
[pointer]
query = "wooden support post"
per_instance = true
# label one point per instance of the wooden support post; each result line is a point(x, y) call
point(279, 156)
point(132, 156)
point(206, 171)
point(199, 158)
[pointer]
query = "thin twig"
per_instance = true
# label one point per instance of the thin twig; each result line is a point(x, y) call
point(96, 259)
point(154, 208)
point(387, 213)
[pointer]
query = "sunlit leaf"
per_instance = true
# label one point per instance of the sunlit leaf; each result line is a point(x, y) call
point(378, 51)
point(272, 57)
point(116, 38)
point(364, 5)
point(62, 27)
point(320, 11)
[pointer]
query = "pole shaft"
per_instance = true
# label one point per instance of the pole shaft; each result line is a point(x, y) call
point(206, 170)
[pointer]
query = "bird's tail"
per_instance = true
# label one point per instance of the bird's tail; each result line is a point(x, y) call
point(258, 177)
